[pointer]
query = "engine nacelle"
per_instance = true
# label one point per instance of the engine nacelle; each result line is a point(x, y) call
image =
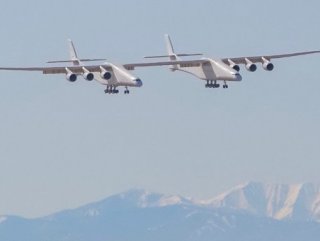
point(235, 67)
point(251, 67)
point(106, 75)
point(71, 77)
point(267, 65)
point(88, 76)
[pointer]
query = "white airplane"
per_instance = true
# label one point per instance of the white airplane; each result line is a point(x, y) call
point(226, 69)
point(108, 74)
point(114, 76)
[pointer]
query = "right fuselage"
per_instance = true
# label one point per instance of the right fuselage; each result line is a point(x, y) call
point(212, 70)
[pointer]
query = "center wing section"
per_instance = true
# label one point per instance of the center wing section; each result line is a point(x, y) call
point(184, 63)
point(97, 68)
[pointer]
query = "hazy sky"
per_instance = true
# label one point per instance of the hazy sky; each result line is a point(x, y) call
point(66, 144)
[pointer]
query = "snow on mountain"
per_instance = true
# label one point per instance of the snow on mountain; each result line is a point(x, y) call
point(132, 199)
point(245, 213)
point(143, 199)
point(278, 201)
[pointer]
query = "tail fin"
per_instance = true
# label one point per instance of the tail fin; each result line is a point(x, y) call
point(170, 49)
point(73, 52)
point(73, 56)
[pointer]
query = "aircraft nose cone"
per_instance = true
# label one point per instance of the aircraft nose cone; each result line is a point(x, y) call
point(237, 77)
point(139, 82)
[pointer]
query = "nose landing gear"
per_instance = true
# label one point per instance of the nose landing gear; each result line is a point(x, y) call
point(225, 86)
point(126, 91)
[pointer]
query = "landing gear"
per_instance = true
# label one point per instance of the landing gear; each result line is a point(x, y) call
point(225, 86)
point(126, 91)
point(212, 84)
point(111, 90)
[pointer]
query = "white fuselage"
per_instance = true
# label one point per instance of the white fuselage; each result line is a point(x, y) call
point(119, 77)
point(212, 70)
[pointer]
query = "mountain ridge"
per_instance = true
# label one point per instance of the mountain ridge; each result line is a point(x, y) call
point(140, 215)
point(278, 201)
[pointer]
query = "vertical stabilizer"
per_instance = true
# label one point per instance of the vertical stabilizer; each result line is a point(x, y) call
point(73, 53)
point(73, 56)
point(169, 45)
point(170, 49)
point(171, 52)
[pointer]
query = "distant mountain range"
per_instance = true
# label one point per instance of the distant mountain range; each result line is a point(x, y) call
point(249, 212)
point(282, 202)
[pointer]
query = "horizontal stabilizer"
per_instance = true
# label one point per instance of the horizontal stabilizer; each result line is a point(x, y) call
point(168, 56)
point(71, 61)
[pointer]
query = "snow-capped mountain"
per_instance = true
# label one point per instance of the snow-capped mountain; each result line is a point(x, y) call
point(278, 201)
point(253, 211)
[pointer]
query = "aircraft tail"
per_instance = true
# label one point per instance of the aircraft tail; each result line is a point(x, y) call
point(73, 56)
point(73, 53)
point(170, 49)
point(171, 53)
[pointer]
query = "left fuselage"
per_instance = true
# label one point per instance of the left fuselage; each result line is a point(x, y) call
point(119, 76)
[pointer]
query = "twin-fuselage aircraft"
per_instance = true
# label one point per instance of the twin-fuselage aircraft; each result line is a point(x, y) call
point(113, 76)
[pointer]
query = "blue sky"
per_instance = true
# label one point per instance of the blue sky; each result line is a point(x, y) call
point(65, 144)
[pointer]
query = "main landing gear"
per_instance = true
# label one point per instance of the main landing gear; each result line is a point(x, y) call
point(214, 84)
point(111, 90)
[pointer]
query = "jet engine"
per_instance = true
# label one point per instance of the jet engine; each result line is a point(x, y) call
point(267, 65)
point(71, 77)
point(106, 75)
point(251, 67)
point(235, 67)
point(88, 76)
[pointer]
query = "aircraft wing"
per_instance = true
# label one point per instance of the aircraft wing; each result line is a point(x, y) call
point(187, 63)
point(61, 70)
point(97, 68)
point(261, 59)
